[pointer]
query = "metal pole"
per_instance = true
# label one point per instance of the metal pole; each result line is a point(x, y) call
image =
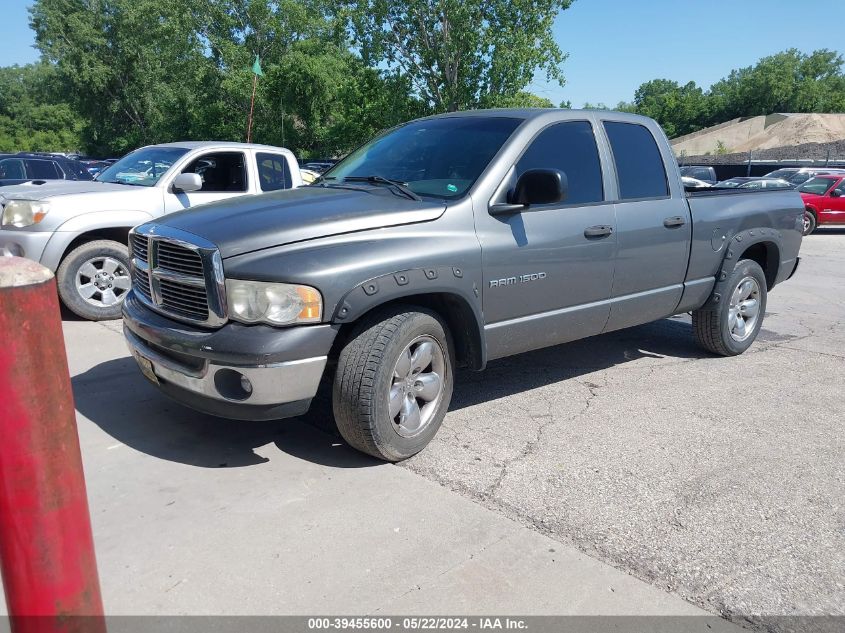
point(251, 107)
point(46, 546)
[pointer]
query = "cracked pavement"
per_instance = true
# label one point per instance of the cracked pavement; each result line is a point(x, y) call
point(719, 479)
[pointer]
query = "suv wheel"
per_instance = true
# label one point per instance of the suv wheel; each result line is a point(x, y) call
point(394, 383)
point(729, 327)
point(93, 279)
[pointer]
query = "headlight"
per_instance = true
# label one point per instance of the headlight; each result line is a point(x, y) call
point(24, 212)
point(276, 304)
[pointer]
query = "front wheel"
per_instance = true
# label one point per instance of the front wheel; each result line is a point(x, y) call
point(729, 327)
point(394, 383)
point(94, 279)
point(810, 222)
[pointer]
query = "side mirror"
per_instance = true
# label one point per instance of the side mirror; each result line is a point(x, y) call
point(540, 186)
point(184, 183)
point(535, 186)
point(835, 194)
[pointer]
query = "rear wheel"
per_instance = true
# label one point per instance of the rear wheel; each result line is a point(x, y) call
point(810, 222)
point(394, 383)
point(93, 279)
point(729, 327)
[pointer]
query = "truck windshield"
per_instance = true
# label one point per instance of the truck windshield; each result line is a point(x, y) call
point(143, 167)
point(434, 157)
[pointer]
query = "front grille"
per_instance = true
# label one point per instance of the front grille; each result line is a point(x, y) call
point(141, 282)
point(178, 274)
point(178, 259)
point(140, 247)
point(190, 302)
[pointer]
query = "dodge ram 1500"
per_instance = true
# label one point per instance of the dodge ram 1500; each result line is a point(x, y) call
point(447, 241)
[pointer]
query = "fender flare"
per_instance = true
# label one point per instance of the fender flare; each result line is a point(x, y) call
point(435, 280)
point(737, 245)
point(78, 225)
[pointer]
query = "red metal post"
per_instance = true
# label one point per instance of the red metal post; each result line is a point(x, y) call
point(46, 547)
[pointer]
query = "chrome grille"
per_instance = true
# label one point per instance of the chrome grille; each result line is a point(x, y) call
point(141, 283)
point(178, 259)
point(140, 247)
point(178, 274)
point(187, 301)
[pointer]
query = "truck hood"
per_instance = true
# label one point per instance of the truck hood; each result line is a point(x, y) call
point(55, 188)
point(252, 223)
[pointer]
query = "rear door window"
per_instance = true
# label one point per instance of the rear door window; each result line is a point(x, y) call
point(571, 148)
point(639, 165)
point(273, 172)
point(42, 169)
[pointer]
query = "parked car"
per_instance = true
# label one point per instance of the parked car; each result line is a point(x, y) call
point(736, 181)
point(318, 167)
point(448, 241)
point(79, 229)
point(694, 183)
point(800, 175)
point(308, 175)
point(16, 169)
point(700, 172)
point(824, 201)
point(766, 183)
point(94, 167)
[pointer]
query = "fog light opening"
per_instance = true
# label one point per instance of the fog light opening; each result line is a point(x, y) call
point(232, 384)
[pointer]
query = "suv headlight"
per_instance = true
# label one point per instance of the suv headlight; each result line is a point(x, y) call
point(22, 213)
point(276, 304)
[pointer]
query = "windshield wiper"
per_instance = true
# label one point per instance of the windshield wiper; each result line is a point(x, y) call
point(397, 185)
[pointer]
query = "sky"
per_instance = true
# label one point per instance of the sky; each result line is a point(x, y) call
point(616, 45)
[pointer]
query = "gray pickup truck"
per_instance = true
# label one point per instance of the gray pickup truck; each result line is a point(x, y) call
point(448, 241)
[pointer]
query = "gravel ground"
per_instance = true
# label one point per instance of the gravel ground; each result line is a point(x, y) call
point(720, 479)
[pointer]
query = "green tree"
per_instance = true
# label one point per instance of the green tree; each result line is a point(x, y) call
point(789, 81)
point(133, 69)
point(460, 54)
point(679, 109)
point(33, 115)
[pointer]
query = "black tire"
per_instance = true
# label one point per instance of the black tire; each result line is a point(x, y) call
point(362, 383)
point(810, 222)
point(712, 325)
point(96, 253)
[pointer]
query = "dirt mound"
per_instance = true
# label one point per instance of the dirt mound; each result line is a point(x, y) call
point(759, 133)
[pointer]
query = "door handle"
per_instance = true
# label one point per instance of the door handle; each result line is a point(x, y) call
point(674, 221)
point(600, 230)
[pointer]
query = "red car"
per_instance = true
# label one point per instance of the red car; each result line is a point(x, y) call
point(824, 201)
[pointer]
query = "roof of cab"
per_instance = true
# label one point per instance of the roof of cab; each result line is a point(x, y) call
point(202, 144)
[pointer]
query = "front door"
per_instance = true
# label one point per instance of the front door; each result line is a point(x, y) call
point(548, 270)
point(224, 175)
point(654, 230)
point(832, 207)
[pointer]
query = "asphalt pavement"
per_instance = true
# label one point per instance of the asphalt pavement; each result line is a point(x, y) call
point(721, 480)
point(627, 474)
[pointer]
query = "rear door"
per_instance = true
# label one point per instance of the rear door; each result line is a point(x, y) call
point(654, 228)
point(548, 270)
point(273, 171)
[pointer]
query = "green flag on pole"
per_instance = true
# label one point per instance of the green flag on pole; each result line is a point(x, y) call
point(256, 68)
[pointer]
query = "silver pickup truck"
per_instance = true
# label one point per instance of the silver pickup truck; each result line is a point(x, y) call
point(448, 241)
point(79, 229)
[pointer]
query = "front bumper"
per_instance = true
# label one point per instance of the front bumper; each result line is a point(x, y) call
point(21, 243)
point(238, 371)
